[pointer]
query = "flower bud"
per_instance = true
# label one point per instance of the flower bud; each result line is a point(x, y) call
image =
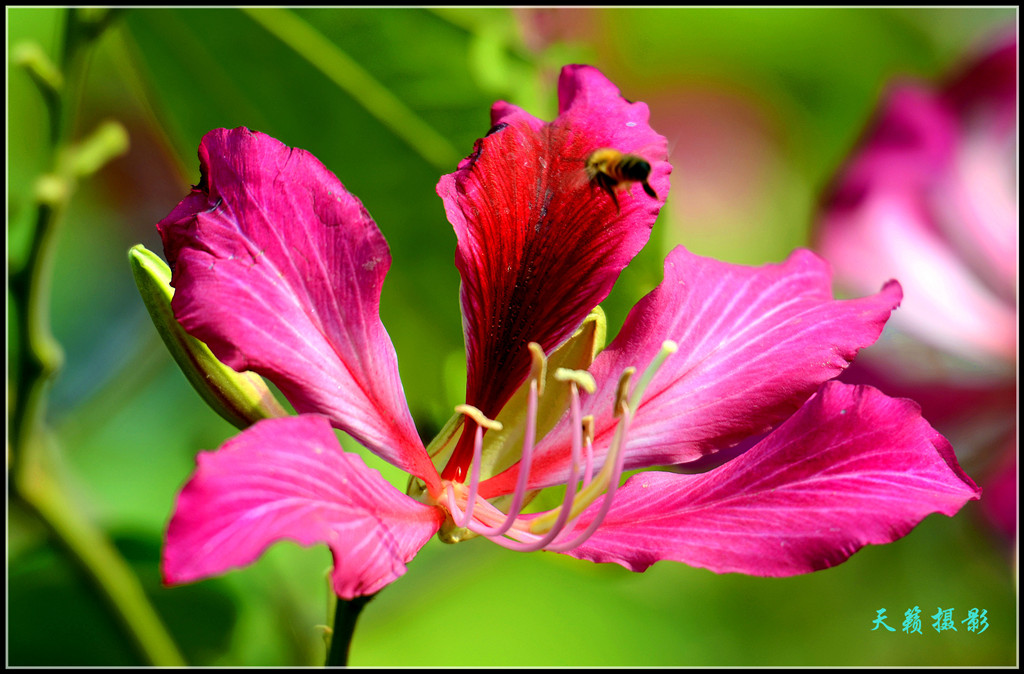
point(241, 398)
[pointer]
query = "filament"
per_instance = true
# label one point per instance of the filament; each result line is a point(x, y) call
point(519, 495)
point(527, 533)
point(617, 460)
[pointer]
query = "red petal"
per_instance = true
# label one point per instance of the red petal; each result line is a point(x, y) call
point(538, 245)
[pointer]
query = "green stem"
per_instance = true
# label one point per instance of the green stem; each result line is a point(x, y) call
point(32, 479)
point(40, 354)
point(346, 613)
point(93, 552)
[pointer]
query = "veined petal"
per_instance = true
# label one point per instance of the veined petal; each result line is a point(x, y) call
point(278, 269)
point(852, 467)
point(754, 344)
point(289, 478)
point(538, 245)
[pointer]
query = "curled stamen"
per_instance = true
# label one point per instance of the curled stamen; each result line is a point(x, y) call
point(494, 514)
point(607, 479)
point(519, 495)
point(581, 378)
point(570, 492)
point(478, 416)
point(538, 366)
point(562, 513)
point(622, 391)
point(530, 533)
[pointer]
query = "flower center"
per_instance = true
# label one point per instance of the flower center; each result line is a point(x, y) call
point(560, 528)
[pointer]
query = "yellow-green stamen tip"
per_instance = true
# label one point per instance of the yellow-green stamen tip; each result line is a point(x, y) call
point(538, 366)
point(622, 391)
point(581, 378)
point(478, 416)
point(588, 428)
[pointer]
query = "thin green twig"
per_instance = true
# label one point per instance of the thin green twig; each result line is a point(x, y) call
point(93, 551)
point(33, 476)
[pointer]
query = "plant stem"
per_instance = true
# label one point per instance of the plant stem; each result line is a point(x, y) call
point(32, 478)
point(346, 613)
point(93, 552)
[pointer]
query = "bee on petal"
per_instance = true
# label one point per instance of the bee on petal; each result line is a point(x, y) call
point(608, 169)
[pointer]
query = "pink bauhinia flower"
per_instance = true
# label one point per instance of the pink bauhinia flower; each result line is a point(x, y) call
point(929, 196)
point(278, 268)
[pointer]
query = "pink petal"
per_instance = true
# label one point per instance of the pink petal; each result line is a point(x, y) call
point(852, 467)
point(948, 307)
point(289, 478)
point(911, 142)
point(279, 269)
point(538, 245)
point(976, 203)
point(754, 344)
point(928, 199)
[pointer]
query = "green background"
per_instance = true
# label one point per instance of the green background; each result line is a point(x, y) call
point(759, 107)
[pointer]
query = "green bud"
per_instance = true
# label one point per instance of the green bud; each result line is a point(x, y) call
point(241, 398)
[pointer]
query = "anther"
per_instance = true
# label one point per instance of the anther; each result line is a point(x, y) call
point(538, 366)
point(623, 390)
point(478, 416)
point(588, 428)
point(588, 447)
point(581, 378)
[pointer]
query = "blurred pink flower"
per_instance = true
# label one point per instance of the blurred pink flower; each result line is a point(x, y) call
point(278, 268)
point(929, 197)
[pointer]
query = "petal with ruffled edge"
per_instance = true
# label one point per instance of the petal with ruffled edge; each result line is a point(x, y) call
point(754, 344)
point(289, 478)
point(278, 268)
point(852, 467)
point(538, 245)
